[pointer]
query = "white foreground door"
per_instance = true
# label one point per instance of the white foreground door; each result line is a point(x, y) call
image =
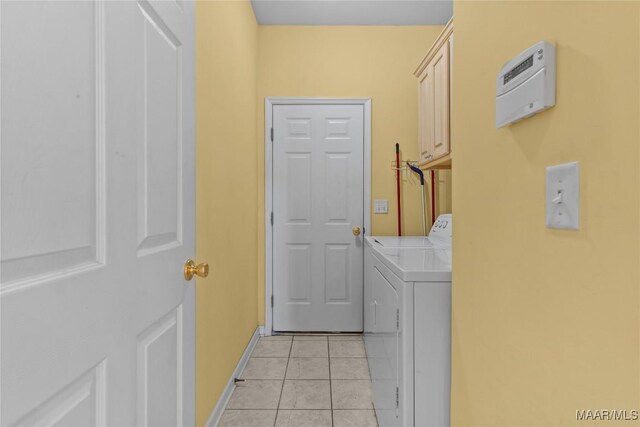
point(317, 201)
point(97, 193)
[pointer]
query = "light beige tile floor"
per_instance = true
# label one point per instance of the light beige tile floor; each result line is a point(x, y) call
point(304, 381)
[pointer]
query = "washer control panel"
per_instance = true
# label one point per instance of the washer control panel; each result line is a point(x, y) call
point(442, 229)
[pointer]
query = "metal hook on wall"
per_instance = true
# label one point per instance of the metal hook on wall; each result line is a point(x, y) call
point(405, 165)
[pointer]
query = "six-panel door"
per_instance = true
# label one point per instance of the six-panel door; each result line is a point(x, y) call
point(318, 198)
point(97, 152)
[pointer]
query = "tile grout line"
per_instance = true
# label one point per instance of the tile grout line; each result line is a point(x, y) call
point(283, 380)
point(330, 380)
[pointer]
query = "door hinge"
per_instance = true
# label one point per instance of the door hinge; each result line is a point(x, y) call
point(398, 318)
point(271, 134)
point(272, 218)
point(272, 301)
point(397, 397)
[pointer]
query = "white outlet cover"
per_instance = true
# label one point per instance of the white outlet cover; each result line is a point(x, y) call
point(381, 206)
point(563, 196)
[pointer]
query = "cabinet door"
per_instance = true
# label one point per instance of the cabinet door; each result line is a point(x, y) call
point(426, 115)
point(440, 72)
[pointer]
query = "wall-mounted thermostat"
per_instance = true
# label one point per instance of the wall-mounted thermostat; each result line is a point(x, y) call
point(526, 85)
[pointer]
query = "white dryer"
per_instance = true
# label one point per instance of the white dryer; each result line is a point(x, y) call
point(408, 326)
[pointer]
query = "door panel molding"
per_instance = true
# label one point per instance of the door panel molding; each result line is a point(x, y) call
point(148, 378)
point(84, 400)
point(338, 127)
point(80, 254)
point(160, 211)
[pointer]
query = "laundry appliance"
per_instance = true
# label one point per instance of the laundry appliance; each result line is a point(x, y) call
point(439, 236)
point(408, 326)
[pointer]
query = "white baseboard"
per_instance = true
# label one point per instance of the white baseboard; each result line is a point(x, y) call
point(228, 389)
point(261, 327)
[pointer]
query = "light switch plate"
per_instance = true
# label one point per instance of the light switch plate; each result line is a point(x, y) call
point(380, 206)
point(563, 196)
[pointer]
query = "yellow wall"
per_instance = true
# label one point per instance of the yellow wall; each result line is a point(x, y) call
point(226, 311)
point(546, 322)
point(350, 62)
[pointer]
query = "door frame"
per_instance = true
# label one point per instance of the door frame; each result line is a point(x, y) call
point(269, 103)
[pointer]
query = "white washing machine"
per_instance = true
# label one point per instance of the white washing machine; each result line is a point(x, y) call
point(439, 236)
point(408, 326)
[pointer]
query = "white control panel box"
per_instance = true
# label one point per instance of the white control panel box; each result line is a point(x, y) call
point(526, 85)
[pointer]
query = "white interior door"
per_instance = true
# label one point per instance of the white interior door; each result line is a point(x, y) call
point(97, 205)
point(317, 201)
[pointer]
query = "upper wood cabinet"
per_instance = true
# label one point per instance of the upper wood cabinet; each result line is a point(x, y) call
point(434, 92)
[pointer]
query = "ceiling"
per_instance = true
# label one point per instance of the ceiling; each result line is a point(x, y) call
point(352, 12)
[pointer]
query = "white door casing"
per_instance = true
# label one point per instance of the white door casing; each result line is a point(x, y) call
point(97, 213)
point(318, 197)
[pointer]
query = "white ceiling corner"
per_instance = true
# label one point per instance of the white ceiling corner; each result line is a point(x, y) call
point(352, 12)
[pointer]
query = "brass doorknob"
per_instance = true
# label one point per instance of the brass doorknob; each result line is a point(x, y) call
point(191, 269)
point(356, 231)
